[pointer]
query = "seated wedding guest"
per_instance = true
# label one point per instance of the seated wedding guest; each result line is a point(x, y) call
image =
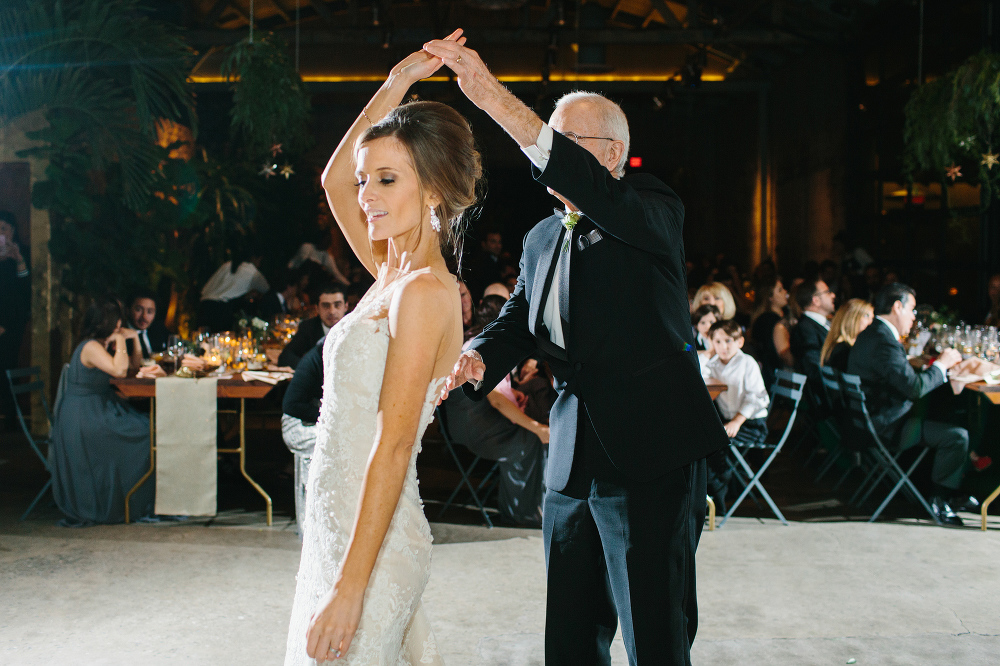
point(332, 306)
point(282, 298)
point(150, 332)
point(466, 306)
point(743, 405)
point(769, 333)
point(534, 380)
point(497, 289)
point(816, 302)
point(300, 412)
point(701, 320)
point(891, 385)
point(317, 253)
point(852, 318)
point(100, 443)
point(993, 292)
point(498, 429)
point(231, 282)
point(715, 293)
point(484, 263)
point(15, 304)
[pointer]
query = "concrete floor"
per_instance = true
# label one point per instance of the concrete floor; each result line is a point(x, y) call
point(807, 593)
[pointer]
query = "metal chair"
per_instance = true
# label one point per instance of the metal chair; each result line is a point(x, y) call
point(859, 433)
point(34, 383)
point(466, 472)
point(832, 388)
point(788, 386)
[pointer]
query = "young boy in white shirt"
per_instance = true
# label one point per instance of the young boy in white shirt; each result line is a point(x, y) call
point(743, 405)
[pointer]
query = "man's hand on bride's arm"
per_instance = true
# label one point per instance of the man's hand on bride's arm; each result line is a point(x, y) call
point(335, 622)
point(469, 368)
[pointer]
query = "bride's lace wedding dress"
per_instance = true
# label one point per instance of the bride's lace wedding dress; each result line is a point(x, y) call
point(394, 630)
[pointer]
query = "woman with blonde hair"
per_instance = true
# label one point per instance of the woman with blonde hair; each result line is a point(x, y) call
point(717, 294)
point(848, 322)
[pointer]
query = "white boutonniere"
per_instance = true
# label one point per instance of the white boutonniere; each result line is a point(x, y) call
point(569, 221)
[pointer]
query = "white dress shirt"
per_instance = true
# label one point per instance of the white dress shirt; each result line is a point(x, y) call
point(224, 285)
point(539, 156)
point(745, 391)
point(895, 334)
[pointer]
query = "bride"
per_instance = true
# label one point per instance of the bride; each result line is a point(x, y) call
point(398, 184)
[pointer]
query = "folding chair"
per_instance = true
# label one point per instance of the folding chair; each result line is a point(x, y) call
point(831, 386)
point(787, 385)
point(34, 383)
point(860, 432)
point(466, 472)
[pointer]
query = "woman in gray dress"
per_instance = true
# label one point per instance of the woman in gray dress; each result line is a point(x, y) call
point(100, 443)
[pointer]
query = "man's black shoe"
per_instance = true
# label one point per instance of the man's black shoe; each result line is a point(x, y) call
point(964, 503)
point(944, 513)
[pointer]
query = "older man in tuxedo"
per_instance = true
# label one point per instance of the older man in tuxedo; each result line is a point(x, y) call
point(602, 296)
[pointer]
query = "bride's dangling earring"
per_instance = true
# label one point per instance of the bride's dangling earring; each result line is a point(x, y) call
point(435, 220)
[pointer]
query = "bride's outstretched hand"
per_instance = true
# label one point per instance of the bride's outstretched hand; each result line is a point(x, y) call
point(334, 624)
point(421, 64)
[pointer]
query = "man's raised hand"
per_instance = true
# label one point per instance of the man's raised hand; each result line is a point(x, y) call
point(474, 78)
point(421, 64)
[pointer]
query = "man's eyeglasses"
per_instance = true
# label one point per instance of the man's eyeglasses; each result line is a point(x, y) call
point(576, 137)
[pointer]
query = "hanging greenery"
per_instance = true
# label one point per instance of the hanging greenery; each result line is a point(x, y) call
point(270, 104)
point(954, 122)
point(102, 73)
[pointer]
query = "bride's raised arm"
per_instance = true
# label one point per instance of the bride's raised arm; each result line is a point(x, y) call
point(339, 180)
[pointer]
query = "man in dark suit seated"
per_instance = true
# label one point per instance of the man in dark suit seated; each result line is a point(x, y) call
point(807, 337)
point(891, 385)
point(152, 334)
point(300, 412)
point(279, 300)
point(332, 306)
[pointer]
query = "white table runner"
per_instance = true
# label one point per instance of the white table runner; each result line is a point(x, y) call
point(186, 454)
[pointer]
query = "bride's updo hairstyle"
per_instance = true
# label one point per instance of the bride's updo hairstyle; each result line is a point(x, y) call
point(440, 143)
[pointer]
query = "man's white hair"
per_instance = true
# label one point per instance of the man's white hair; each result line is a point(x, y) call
point(613, 122)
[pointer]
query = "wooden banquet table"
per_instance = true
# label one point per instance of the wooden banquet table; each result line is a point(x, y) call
point(133, 387)
point(715, 388)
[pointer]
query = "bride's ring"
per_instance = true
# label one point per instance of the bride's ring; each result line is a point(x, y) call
point(335, 652)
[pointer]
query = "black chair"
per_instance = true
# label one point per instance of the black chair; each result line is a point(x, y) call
point(859, 433)
point(34, 384)
point(832, 388)
point(487, 484)
point(788, 386)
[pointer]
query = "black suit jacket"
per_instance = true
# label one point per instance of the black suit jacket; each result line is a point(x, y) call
point(888, 380)
point(629, 359)
point(270, 305)
point(157, 334)
point(309, 333)
point(807, 338)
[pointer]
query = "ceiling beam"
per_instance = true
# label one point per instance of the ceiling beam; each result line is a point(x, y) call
point(513, 37)
point(666, 14)
point(281, 9)
point(322, 10)
point(215, 13)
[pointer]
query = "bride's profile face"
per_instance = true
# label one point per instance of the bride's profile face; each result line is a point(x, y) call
point(388, 189)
